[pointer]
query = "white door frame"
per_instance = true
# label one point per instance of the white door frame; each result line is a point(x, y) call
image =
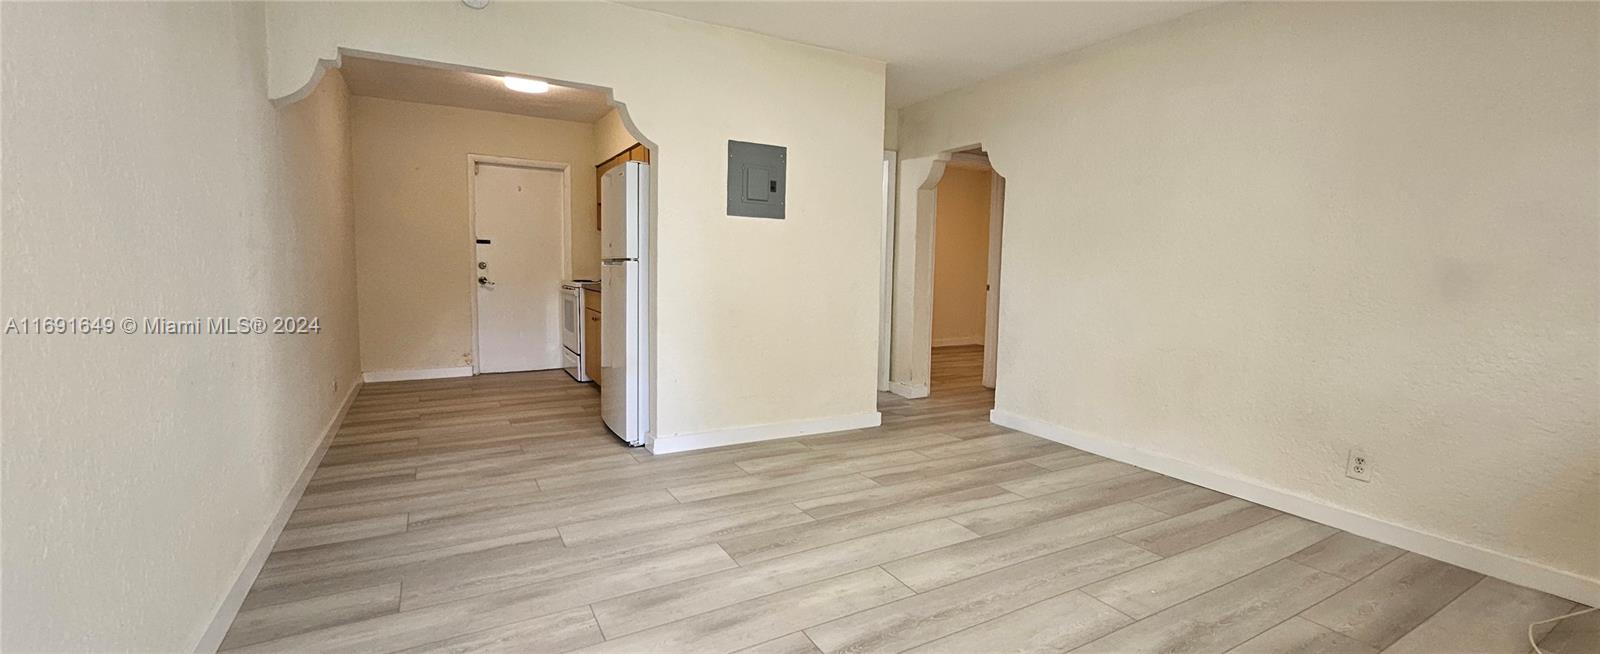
point(472, 224)
point(886, 274)
point(991, 315)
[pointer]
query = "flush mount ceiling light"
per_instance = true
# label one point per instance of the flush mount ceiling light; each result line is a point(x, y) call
point(525, 85)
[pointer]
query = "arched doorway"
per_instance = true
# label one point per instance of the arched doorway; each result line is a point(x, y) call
point(917, 286)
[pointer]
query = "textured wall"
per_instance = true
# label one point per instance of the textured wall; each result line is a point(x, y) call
point(961, 257)
point(756, 321)
point(413, 237)
point(1260, 235)
point(891, 129)
point(147, 175)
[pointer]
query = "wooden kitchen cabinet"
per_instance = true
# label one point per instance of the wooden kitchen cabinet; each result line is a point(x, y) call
point(591, 342)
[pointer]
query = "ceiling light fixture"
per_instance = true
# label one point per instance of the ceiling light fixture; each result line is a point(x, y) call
point(525, 85)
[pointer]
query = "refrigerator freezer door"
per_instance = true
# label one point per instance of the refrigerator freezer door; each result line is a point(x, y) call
point(620, 209)
point(620, 371)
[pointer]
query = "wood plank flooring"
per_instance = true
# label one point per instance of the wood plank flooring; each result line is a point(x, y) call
point(496, 513)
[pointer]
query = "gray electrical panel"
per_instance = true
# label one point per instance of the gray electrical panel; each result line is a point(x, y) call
point(756, 179)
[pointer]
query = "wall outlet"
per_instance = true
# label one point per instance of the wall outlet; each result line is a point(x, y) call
point(1358, 466)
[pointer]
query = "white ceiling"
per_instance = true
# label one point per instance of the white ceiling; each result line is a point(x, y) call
point(458, 88)
point(933, 47)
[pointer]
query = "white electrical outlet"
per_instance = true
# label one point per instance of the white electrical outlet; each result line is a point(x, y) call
point(1358, 466)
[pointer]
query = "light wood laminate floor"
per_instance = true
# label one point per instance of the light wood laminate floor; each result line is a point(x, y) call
point(496, 513)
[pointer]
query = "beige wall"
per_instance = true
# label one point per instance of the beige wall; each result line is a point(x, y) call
point(414, 249)
point(1258, 236)
point(611, 136)
point(147, 175)
point(797, 349)
point(891, 129)
point(961, 256)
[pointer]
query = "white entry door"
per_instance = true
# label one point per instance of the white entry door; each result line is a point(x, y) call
point(517, 216)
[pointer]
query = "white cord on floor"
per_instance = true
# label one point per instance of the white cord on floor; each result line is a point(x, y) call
point(1535, 643)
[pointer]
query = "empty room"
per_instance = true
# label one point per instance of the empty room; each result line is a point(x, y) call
point(800, 326)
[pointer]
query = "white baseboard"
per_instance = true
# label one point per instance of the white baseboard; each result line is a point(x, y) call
point(212, 638)
point(953, 341)
point(1506, 567)
point(735, 436)
point(908, 391)
point(419, 373)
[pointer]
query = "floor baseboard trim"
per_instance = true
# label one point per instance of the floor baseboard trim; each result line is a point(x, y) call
point(212, 638)
point(958, 340)
point(737, 435)
point(419, 373)
point(908, 391)
point(1509, 568)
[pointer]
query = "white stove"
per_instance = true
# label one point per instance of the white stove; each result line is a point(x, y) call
point(572, 345)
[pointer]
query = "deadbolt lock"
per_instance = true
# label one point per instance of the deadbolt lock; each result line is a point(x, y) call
point(483, 265)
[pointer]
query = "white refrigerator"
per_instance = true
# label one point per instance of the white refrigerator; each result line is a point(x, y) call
point(624, 338)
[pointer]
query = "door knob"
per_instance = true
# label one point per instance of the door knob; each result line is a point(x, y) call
point(484, 282)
